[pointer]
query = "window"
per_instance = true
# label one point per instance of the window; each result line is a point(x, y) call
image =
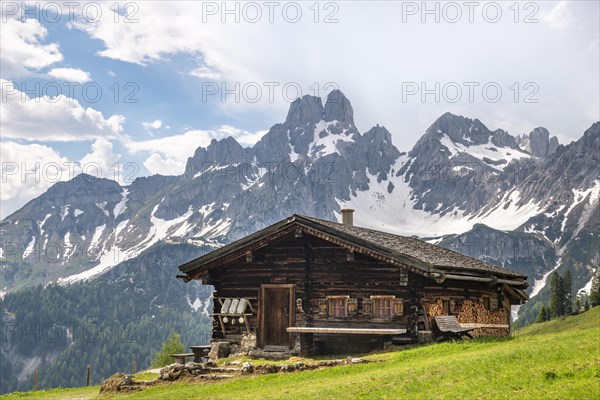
point(383, 306)
point(338, 306)
point(446, 307)
point(486, 302)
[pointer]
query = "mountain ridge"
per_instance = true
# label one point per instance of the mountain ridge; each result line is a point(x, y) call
point(459, 174)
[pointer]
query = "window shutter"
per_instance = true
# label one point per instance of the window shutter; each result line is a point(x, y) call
point(398, 307)
point(367, 308)
point(323, 308)
point(352, 307)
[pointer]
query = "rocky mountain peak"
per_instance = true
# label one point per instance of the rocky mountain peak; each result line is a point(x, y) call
point(466, 132)
point(338, 108)
point(539, 143)
point(224, 151)
point(304, 110)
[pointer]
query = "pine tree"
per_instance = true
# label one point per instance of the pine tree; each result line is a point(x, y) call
point(595, 290)
point(173, 345)
point(556, 297)
point(542, 315)
point(567, 293)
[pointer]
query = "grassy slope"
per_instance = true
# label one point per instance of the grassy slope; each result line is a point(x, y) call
point(558, 359)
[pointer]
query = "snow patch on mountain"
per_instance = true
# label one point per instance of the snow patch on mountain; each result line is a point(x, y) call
point(29, 248)
point(540, 283)
point(587, 288)
point(394, 212)
point(64, 211)
point(102, 206)
point(484, 152)
point(96, 236)
point(326, 144)
point(120, 206)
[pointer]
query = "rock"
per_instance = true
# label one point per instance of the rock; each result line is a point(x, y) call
point(539, 143)
point(247, 368)
point(338, 108)
point(307, 109)
point(119, 383)
point(219, 350)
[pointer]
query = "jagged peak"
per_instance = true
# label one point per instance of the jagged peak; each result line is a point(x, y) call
point(538, 142)
point(338, 108)
point(378, 133)
point(467, 132)
point(304, 110)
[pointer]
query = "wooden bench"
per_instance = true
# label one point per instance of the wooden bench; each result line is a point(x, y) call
point(346, 331)
point(449, 328)
point(180, 358)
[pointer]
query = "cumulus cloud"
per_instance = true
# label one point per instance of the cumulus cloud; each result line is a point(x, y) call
point(168, 155)
point(70, 75)
point(23, 47)
point(102, 161)
point(319, 56)
point(58, 118)
point(149, 125)
point(28, 170)
point(156, 164)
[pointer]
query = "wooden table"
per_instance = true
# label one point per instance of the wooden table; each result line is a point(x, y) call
point(200, 352)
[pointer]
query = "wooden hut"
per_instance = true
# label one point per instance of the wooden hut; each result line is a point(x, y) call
point(306, 285)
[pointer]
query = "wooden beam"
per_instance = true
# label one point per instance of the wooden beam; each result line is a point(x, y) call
point(345, 331)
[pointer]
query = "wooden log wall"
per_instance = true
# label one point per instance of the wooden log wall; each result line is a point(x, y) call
point(319, 269)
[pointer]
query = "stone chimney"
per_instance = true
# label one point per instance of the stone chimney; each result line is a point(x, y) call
point(347, 216)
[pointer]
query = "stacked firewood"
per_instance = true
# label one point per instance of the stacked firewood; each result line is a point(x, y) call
point(433, 310)
point(475, 312)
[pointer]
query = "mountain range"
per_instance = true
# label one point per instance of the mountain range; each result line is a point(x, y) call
point(524, 202)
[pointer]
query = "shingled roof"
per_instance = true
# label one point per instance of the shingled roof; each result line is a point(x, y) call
point(430, 253)
point(419, 256)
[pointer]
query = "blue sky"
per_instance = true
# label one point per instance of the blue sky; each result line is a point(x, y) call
point(166, 62)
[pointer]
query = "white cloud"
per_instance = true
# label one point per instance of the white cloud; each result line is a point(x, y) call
point(57, 118)
point(169, 154)
point(23, 50)
point(156, 124)
point(70, 75)
point(348, 52)
point(206, 73)
point(560, 16)
point(28, 170)
point(156, 164)
point(102, 161)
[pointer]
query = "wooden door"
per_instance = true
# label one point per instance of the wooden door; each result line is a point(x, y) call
point(277, 313)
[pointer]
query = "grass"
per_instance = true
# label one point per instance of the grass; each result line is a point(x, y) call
point(90, 392)
point(559, 359)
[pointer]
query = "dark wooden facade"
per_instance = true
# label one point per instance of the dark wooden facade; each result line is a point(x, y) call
point(313, 291)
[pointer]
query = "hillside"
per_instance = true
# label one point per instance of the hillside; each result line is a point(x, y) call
point(555, 359)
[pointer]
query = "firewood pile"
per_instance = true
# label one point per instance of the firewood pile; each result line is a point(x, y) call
point(433, 310)
point(475, 312)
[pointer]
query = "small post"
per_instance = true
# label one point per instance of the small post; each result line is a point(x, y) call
point(35, 380)
point(87, 375)
point(133, 367)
